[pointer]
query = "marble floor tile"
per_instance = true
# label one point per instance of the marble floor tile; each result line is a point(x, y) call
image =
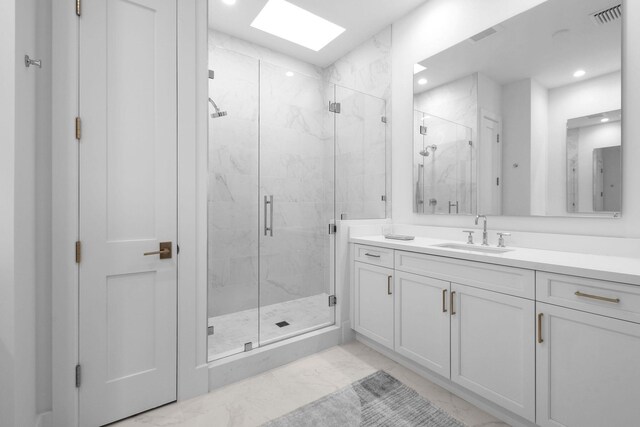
point(272, 394)
point(233, 330)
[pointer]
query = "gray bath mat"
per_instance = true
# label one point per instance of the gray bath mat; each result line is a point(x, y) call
point(377, 400)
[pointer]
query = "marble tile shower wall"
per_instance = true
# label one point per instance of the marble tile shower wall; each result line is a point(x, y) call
point(296, 134)
point(363, 77)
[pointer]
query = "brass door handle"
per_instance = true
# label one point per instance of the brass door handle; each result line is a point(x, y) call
point(165, 251)
point(540, 340)
point(389, 285)
point(444, 300)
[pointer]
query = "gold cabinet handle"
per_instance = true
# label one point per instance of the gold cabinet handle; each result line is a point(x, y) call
point(453, 296)
point(165, 251)
point(444, 300)
point(597, 297)
point(389, 285)
point(540, 340)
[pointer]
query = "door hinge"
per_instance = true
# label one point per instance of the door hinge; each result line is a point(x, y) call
point(383, 198)
point(498, 138)
point(209, 330)
point(78, 7)
point(423, 130)
point(212, 74)
point(78, 128)
point(498, 181)
point(78, 375)
point(333, 229)
point(248, 346)
point(333, 300)
point(383, 119)
point(78, 252)
point(334, 107)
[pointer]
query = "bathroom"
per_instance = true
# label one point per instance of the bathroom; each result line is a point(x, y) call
point(270, 212)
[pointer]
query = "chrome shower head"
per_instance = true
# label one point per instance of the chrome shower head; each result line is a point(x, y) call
point(218, 112)
point(424, 153)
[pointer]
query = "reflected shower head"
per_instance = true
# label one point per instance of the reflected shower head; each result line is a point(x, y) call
point(425, 151)
point(218, 112)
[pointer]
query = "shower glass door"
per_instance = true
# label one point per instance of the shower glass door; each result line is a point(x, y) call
point(361, 155)
point(296, 203)
point(232, 215)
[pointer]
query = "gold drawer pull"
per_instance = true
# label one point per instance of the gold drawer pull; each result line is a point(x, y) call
point(452, 298)
point(444, 300)
point(599, 298)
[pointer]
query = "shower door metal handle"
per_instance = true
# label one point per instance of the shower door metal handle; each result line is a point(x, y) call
point(268, 218)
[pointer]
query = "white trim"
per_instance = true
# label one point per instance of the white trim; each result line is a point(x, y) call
point(192, 47)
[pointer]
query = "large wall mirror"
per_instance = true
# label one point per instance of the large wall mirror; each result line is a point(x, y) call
point(525, 117)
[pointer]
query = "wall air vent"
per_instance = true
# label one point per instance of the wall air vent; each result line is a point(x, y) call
point(484, 34)
point(607, 16)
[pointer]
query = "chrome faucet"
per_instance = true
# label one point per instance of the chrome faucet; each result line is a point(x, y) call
point(485, 236)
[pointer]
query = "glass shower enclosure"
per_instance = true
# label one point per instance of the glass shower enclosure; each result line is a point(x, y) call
point(444, 166)
point(272, 196)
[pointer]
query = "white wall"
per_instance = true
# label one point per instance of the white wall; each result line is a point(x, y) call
point(25, 295)
point(539, 137)
point(581, 99)
point(440, 24)
point(516, 148)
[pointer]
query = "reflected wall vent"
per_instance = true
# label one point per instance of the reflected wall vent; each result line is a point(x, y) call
point(607, 16)
point(482, 35)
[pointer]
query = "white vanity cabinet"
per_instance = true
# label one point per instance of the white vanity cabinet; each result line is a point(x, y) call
point(422, 321)
point(373, 305)
point(492, 347)
point(588, 369)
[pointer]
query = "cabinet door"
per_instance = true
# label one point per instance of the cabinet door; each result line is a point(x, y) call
point(374, 303)
point(422, 321)
point(587, 369)
point(493, 347)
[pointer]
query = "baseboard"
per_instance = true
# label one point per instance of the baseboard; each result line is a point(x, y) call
point(479, 401)
point(45, 419)
point(235, 368)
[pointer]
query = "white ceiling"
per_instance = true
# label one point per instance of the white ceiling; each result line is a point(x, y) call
point(525, 47)
point(361, 18)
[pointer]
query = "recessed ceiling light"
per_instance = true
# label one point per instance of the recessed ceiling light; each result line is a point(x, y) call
point(422, 81)
point(289, 74)
point(229, 2)
point(417, 68)
point(295, 24)
point(605, 120)
point(579, 73)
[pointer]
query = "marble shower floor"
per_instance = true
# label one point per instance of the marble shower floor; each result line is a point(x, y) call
point(232, 331)
point(267, 396)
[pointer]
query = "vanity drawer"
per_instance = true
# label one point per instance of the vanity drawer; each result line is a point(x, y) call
point(611, 299)
point(374, 255)
point(507, 280)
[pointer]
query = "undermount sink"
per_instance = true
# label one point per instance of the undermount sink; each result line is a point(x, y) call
point(473, 248)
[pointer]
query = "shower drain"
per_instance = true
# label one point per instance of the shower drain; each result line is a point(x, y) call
point(282, 324)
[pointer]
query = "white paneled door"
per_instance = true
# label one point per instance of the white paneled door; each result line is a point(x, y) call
point(128, 208)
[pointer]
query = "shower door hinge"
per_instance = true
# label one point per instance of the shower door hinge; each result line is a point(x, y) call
point(212, 74)
point(383, 119)
point(333, 228)
point(333, 300)
point(78, 375)
point(423, 130)
point(248, 346)
point(78, 7)
point(209, 330)
point(383, 198)
point(498, 181)
point(334, 107)
point(78, 128)
point(498, 138)
point(78, 252)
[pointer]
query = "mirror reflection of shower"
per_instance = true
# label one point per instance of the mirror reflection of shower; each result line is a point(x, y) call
point(425, 151)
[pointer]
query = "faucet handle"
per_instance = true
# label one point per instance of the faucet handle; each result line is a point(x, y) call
point(470, 238)
point(501, 237)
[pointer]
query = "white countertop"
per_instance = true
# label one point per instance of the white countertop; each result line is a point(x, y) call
point(612, 268)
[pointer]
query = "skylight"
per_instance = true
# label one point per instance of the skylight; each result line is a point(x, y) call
point(295, 24)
